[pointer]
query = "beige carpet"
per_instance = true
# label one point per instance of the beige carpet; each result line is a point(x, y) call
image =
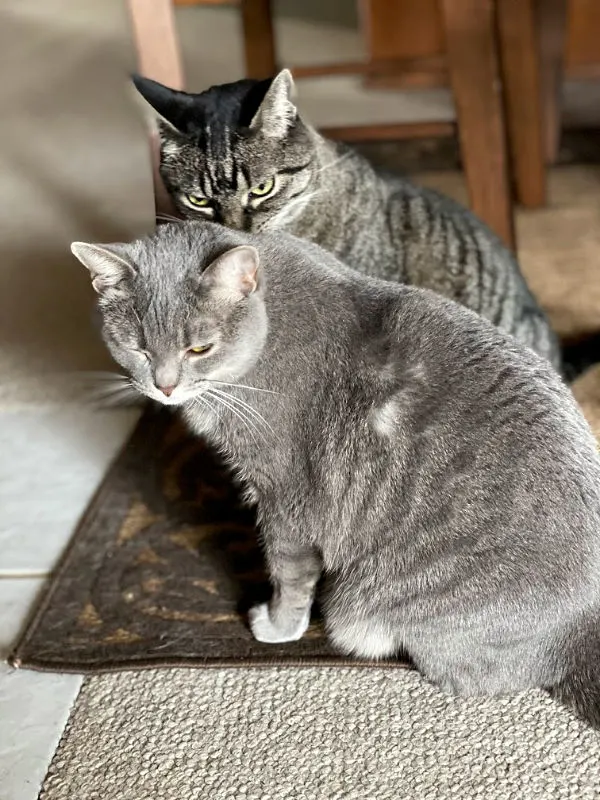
point(315, 734)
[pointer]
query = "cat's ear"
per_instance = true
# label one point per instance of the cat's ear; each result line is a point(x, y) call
point(167, 110)
point(277, 113)
point(233, 275)
point(107, 268)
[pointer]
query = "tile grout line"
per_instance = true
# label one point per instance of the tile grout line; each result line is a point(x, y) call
point(15, 576)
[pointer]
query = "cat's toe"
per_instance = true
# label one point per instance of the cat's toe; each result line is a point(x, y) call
point(264, 630)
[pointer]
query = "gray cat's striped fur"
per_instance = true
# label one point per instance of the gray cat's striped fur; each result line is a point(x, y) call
point(219, 144)
point(437, 471)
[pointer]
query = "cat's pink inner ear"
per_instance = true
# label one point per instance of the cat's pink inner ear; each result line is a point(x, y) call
point(235, 272)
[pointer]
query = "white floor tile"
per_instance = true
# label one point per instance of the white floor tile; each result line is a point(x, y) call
point(50, 465)
point(17, 597)
point(34, 706)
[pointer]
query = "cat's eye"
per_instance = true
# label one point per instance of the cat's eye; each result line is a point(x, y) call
point(199, 351)
point(263, 189)
point(197, 200)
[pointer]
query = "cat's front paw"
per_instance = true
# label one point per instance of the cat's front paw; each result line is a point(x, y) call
point(265, 630)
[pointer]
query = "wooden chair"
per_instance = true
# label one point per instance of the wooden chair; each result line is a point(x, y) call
point(531, 42)
point(474, 68)
point(405, 39)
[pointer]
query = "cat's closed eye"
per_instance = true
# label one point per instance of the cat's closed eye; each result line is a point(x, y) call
point(201, 350)
point(139, 351)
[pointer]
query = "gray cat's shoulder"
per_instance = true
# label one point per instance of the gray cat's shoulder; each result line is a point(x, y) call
point(283, 252)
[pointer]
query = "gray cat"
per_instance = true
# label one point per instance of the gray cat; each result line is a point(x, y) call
point(438, 473)
point(240, 154)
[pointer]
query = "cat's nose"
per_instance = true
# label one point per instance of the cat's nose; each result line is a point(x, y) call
point(166, 390)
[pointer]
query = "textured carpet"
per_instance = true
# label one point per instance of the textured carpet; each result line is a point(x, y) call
point(315, 734)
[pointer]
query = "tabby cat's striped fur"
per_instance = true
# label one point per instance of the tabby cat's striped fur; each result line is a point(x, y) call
point(219, 145)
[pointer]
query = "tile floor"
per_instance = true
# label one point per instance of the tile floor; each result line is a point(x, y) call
point(52, 461)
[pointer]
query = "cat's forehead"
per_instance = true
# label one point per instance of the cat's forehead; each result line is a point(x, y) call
point(170, 261)
point(218, 152)
point(218, 141)
point(218, 119)
point(162, 301)
point(171, 315)
point(175, 320)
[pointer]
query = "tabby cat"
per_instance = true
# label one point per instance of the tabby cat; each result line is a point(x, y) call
point(240, 154)
point(437, 471)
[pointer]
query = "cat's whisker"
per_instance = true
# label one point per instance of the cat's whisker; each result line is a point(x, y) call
point(247, 422)
point(168, 218)
point(246, 407)
point(111, 395)
point(241, 386)
point(121, 401)
point(137, 316)
point(303, 199)
point(240, 416)
point(101, 389)
point(109, 386)
point(104, 376)
point(249, 410)
point(235, 406)
point(293, 209)
point(201, 401)
point(108, 389)
point(333, 163)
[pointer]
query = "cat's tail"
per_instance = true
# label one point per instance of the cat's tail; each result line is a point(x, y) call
point(579, 355)
point(580, 686)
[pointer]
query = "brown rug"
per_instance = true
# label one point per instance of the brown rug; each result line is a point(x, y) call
point(161, 570)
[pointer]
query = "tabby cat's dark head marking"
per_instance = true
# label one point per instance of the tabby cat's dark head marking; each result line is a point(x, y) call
point(222, 154)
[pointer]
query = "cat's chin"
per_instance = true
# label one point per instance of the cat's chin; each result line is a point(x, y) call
point(177, 400)
point(166, 401)
point(163, 400)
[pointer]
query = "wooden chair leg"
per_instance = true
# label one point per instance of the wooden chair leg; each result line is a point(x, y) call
point(552, 25)
point(259, 39)
point(471, 45)
point(518, 36)
point(158, 57)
